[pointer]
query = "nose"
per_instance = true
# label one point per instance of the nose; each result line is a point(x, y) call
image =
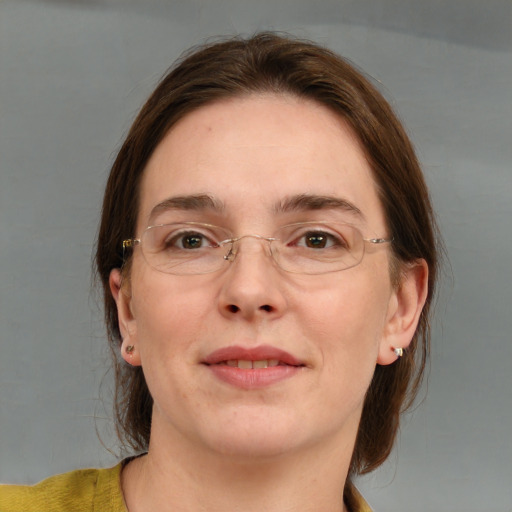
point(252, 286)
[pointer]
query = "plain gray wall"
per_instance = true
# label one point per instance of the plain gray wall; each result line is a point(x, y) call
point(72, 76)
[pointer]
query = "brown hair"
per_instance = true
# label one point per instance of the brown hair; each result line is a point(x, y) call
point(270, 63)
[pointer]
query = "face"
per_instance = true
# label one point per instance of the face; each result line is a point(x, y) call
point(326, 332)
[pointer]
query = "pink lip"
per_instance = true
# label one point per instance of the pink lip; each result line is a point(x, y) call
point(256, 377)
point(251, 354)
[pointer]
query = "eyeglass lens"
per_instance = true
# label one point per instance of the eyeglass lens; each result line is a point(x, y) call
point(307, 248)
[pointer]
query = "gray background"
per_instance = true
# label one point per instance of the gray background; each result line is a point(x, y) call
point(72, 76)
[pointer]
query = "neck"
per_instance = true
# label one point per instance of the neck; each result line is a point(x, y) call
point(180, 478)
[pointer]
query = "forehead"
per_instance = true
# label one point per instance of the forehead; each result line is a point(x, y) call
point(252, 153)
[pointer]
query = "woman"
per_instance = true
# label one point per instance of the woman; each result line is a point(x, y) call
point(268, 255)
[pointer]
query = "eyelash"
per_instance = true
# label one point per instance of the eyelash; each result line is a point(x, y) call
point(177, 240)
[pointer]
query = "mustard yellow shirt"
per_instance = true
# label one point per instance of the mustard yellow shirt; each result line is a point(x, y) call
point(84, 490)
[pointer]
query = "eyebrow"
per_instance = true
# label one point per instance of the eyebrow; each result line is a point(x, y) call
point(304, 202)
point(198, 202)
point(299, 202)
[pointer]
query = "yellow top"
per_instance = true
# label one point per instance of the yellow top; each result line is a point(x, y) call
point(84, 490)
point(359, 506)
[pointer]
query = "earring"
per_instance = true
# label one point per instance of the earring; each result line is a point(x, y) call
point(130, 349)
point(399, 352)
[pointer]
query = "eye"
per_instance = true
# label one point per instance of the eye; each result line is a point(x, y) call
point(316, 240)
point(189, 240)
point(170, 245)
point(319, 238)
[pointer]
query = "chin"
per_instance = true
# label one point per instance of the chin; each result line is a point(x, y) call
point(251, 447)
point(263, 437)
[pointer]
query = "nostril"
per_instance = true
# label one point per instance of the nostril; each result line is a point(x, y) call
point(233, 309)
point(267, 308)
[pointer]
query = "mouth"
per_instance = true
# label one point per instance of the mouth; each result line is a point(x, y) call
point(263, 356)
point(247, 364)
point(252, 368)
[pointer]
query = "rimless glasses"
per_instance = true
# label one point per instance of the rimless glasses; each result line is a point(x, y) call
point(189, 248)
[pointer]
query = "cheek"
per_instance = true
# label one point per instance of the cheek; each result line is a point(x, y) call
point(350, 306)
point(170, 314)
point(169, 323)
point(347, 321)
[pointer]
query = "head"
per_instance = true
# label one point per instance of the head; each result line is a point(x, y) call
point(275, 66)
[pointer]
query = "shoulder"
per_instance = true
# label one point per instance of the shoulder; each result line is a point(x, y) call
point(77, 491)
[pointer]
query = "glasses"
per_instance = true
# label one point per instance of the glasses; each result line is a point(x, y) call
point(189, 248)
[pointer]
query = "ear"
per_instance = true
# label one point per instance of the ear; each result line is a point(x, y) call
point(127, 323)
point(404, 310)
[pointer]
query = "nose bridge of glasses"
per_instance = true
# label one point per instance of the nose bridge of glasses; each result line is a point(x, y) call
point(234, 246)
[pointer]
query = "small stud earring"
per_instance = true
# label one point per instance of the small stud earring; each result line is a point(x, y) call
point(130, 349)
point(399, 352)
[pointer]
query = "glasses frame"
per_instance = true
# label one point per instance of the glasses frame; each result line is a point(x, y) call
point(131, 243)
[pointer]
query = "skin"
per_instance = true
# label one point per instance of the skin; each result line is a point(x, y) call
point(288, 445)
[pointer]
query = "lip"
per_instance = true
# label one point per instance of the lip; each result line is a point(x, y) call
point(253, 378)
point(251, 354)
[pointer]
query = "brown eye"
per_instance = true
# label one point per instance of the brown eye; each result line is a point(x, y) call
point(194, 241)
point(188, 241)
point(316, 240)
point(320, 240)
